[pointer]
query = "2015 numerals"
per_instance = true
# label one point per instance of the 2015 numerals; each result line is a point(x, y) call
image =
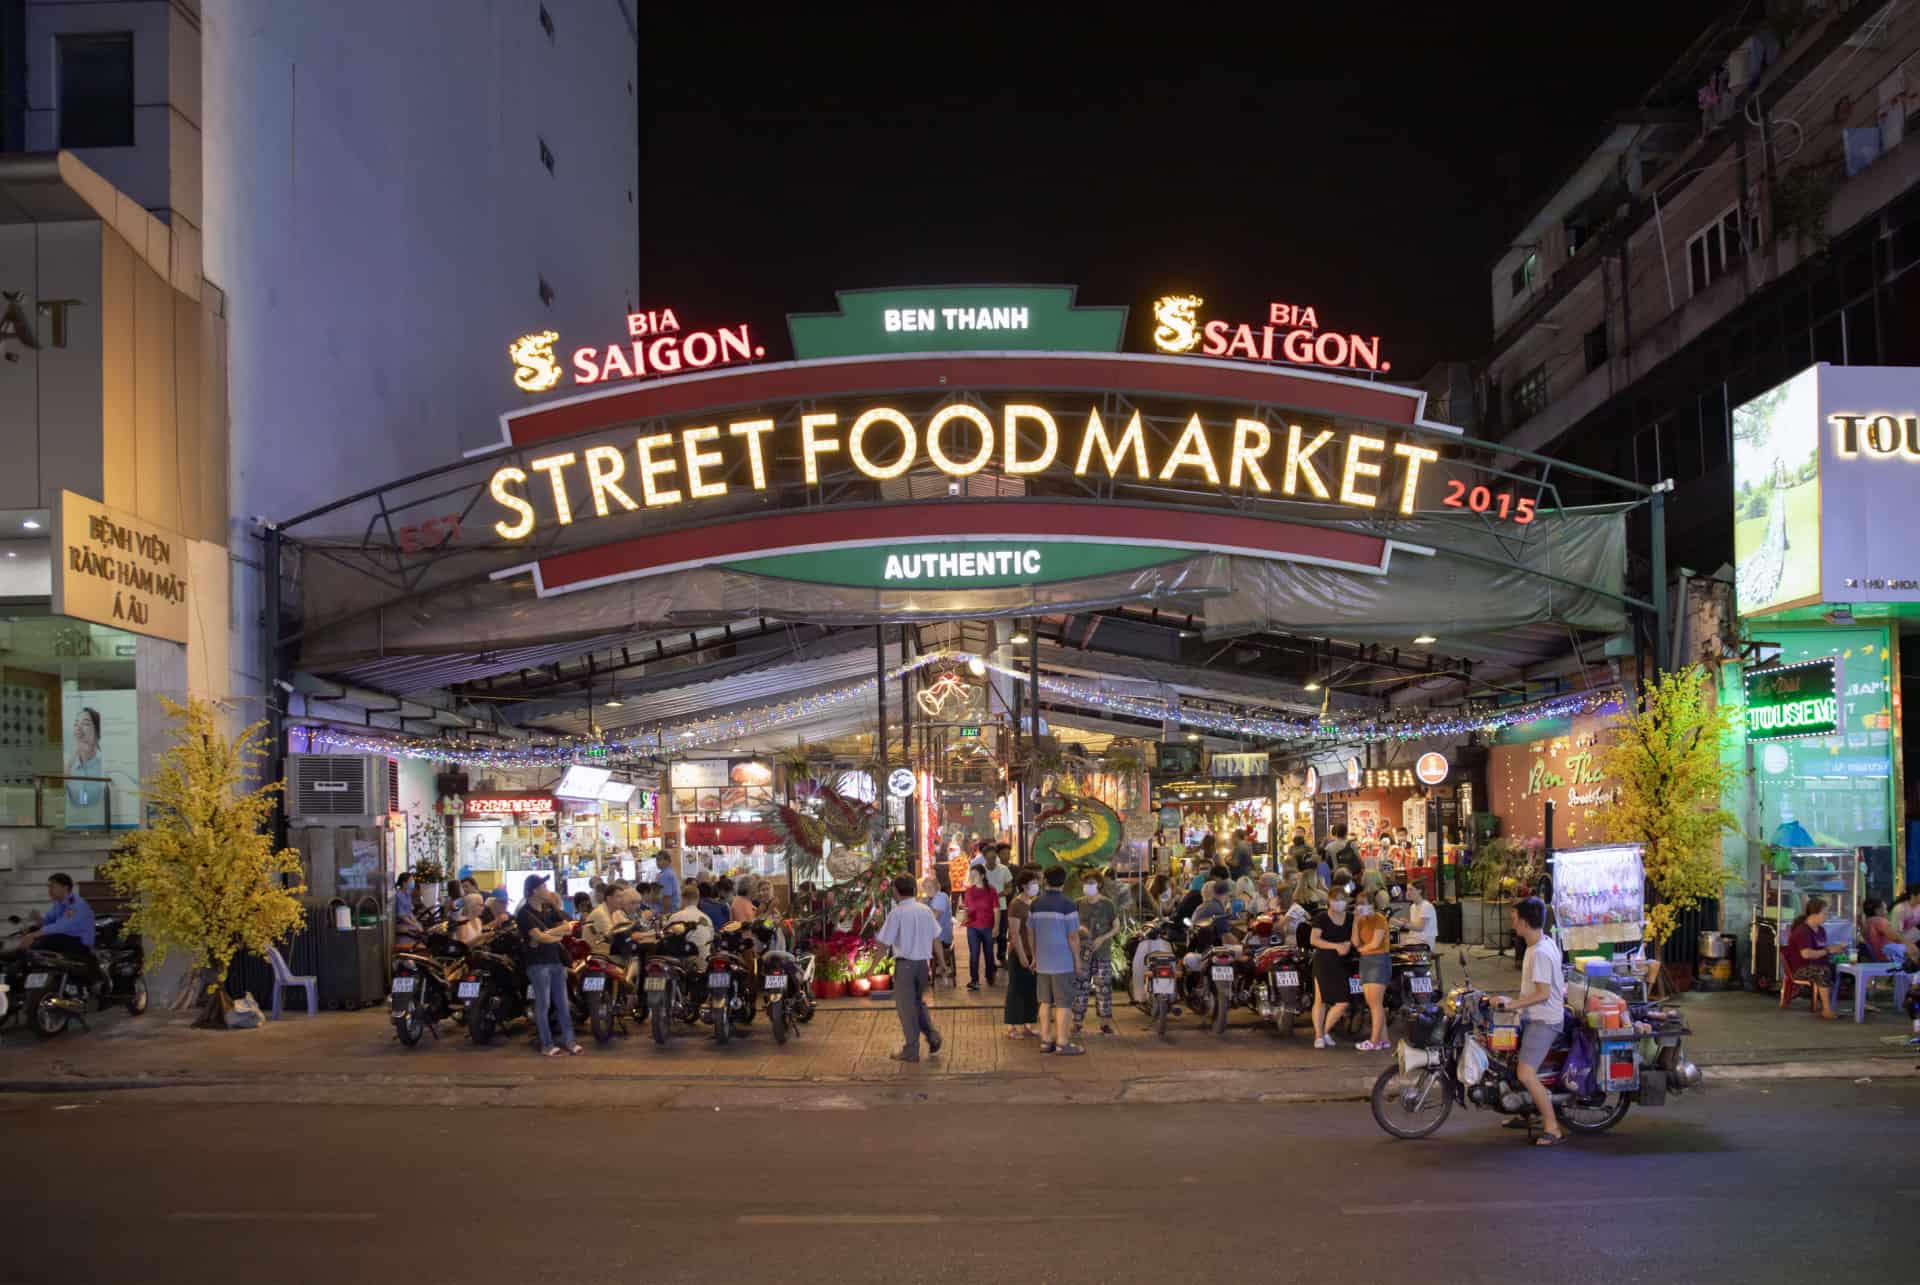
point(1480, 499)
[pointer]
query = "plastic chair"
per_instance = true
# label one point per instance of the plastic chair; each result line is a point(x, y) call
point(1788, 983)
point(285, 978)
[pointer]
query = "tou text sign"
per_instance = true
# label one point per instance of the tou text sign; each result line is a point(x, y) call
point(116, 569)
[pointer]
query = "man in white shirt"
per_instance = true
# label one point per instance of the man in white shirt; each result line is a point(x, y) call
point(1542, 1002)
point(701, 933)
point(910, 931)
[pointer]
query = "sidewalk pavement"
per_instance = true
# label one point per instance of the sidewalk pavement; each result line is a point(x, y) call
point(840, 1060)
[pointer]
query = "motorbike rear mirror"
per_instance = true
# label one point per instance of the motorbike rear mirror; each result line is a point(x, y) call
point(1463, 957)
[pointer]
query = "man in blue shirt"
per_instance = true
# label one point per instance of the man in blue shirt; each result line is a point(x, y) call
point(669, 882)
point(1055, 923)
point(67, 927)
point(712, 907)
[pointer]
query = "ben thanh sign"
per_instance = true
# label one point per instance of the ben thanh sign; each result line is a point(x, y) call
point(117, 569)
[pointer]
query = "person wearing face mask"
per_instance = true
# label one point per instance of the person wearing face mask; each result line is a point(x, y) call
point(1099, 920)
point(1332, 942)
point(1022, 1007)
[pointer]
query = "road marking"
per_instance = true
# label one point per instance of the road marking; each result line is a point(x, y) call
point(266, 1216)
point(837, 1220)
point(1443, 1207)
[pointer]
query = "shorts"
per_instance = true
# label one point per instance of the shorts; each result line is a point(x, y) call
point(1055, 989)
point(1536, 1041)
point(1376, 970)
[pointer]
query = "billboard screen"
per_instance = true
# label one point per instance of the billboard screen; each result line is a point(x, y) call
point(1776, 496)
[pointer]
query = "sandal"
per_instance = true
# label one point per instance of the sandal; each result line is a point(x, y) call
point(555, 1051)
point(1549, 1139)
point(1070, 1050)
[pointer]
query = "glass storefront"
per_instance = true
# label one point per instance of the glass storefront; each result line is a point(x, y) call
point(69, 724)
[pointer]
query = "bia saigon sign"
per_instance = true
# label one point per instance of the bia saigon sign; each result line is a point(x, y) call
point(653, 345)
point(668, 469)
point(1291, 333)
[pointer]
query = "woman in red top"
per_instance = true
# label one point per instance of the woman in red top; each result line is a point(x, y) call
point(1807, 952)
point(981, 903)
point(1884, 943)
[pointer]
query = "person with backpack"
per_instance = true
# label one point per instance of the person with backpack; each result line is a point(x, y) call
point(1339, 851)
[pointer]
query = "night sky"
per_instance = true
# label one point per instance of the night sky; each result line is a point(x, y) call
point(1367, 159)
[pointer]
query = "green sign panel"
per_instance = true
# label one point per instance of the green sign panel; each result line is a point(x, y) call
point(956, 319)
point(1790, 701)
point(966, 564)
point(969, 732)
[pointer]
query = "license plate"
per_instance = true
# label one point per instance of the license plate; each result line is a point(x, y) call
point(35, 981)
point(404, 985)
point(593, 983)
point(656, 983)
point(775, 982)
point(1163, 986)
point(1286, 979)
point(1353, 985)
point(719, 981)
point(1223, 972)
point(469, 990)
point(1420, 985)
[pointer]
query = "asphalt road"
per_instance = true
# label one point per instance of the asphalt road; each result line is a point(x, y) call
point(1750, 1183)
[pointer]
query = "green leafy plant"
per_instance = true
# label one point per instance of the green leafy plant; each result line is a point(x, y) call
point(1671, 778)
point(204, 877)
point(1800, 200)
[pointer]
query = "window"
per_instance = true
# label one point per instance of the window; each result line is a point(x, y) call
point(96, 90)
point(546, 292)
point(1524, 275)
point(546, 22)
point(546, 155)
point(1715, 249)
point(1596, 346)
point(1530, 394)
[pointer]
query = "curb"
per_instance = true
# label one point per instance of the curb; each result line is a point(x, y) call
point(904, 1089)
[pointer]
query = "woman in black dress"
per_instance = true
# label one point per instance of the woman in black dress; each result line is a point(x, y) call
point(1332, 941)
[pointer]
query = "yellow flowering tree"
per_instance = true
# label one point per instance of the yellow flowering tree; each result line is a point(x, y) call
point(204, 877)
point(1665, 760)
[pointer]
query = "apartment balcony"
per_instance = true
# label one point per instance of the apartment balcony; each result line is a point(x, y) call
point(1855, 200)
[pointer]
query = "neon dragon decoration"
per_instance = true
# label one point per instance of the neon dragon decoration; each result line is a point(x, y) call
point(817, 812)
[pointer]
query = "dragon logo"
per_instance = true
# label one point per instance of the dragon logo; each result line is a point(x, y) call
point(535, 370)
point(1179, 329)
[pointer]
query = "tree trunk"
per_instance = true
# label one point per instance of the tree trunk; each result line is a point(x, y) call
point(193, 992)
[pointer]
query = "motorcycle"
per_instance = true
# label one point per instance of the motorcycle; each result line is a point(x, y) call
point(425, 975)
point(786, 981)
point(1158, 946)
point(1282, 978)
point(47, 989)
point(675, 984)
point(1461, 1052)
point(610, 985)
point(732, 980)
point(493, 990)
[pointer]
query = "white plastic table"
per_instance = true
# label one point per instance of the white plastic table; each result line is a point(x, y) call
point(1862, 973)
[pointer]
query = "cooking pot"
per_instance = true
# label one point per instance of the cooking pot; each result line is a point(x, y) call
point(1716, 945)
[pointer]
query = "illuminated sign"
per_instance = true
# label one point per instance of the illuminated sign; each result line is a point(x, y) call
point(1350, 467)
point(900, 782)
point(511, 805)
point(956, 319)
point(981, 564)
point(1389, 778)
point(1432, 768)
point(654, 345)
point(1290, 334)
point(1882, 435)
point(1788, 701)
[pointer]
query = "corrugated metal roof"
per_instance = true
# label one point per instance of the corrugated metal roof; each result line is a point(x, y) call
point(411, 675)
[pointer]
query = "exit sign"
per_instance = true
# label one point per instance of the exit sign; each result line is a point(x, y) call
point(1788, 701)
point(969, 731)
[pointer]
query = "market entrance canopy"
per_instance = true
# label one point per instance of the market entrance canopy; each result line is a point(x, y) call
point(897, 486)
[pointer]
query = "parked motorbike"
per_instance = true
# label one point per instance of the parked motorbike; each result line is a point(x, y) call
point(425, 976)
point(1461, 1052)
point(47, 989)
point(786, 980)
point(1160, 966)
point(493, 990)
point(675, 984)
point(1282, 977)
point(610, 984)
point(733, 979)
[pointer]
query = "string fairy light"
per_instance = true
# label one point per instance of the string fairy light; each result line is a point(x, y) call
point(674, 738)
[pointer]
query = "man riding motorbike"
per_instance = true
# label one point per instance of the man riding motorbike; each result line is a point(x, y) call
point(1542, 1003)
point(67, 926)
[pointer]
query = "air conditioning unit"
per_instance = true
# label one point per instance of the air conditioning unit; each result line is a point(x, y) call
point(338, 789)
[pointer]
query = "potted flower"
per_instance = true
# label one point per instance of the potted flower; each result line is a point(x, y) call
point(873, 968)
point(830, 982)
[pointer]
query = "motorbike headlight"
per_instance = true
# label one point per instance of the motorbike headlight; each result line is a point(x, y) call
point(1450, 1005)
